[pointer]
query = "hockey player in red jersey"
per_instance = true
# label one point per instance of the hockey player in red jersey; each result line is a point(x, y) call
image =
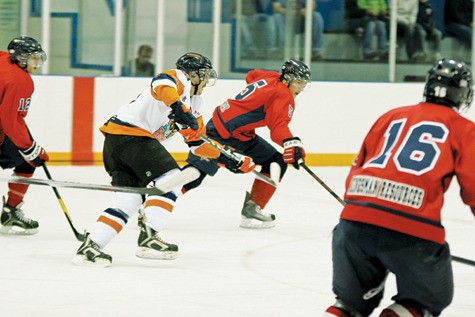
point(18, 150)
point(391, 221)
point(134, 156)
point(268, 100)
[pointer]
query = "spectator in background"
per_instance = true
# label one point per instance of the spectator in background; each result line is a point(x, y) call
point(279, 9)
point(141, 66)
point(256, 25)
point(459, 20)
point(367, 18)
point(425, 26)
point(406, 27)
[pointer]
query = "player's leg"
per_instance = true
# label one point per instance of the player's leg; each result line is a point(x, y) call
point(126, 159)
point(204, 166)
point(273, 166)
point(156, 162)
point(13, 220)
point(424, 276)
point(358, 276)
point(404, 309)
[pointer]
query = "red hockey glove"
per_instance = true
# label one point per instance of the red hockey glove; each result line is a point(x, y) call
point(181, 115)
point(293, 152)
point(242, 163)
point(35, 155)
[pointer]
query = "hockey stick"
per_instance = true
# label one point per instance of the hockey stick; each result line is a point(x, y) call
point(318, 179)
point(229, 154)
point(342, 202)
point(78, 235)
point(185, 176)
point(56, 183)
point(463, 260)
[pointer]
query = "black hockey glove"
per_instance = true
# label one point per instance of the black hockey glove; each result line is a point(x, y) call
point(182, 116)
point(293, 152)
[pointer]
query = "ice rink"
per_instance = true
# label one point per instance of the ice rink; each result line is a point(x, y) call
point(222, 270)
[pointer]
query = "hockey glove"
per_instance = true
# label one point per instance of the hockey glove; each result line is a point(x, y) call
point(35, 155)
point(181, 115)
point(242, 163)
point(293, 152)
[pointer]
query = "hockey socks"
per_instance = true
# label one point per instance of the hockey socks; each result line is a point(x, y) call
point(262, 192)
point(16, 191)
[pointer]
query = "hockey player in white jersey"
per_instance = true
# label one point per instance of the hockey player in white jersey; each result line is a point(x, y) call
point(134, 156)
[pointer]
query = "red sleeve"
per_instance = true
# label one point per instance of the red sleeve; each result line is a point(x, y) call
point(465, 162)
point(14, 109)
point(278, 115)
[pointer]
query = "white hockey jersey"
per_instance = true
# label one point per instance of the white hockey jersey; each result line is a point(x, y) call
point(147, 115)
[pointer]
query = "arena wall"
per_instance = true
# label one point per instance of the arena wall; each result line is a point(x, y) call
point(331, 118)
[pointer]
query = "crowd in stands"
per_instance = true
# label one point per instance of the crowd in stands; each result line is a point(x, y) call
point(268, 26)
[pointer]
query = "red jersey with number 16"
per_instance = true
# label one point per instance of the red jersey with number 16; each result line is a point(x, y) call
point(265, 101)
point(405, 165)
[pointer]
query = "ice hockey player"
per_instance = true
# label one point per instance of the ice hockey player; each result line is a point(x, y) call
point(391, 221)
point(268, 100)
point(18, 150)
point(134, 156)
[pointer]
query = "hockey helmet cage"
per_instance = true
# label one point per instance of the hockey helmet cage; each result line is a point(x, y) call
point(449, 83)
point(26, 50)
point(295, 70)
point(194, 62)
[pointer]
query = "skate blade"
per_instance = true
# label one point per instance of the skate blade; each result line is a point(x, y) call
point(147, 253)
point(251, 223)
point(18, 231)
point(82, 261)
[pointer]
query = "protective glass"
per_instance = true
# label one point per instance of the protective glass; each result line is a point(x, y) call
point(299, 83)
point(208, 75)
point(36, 59)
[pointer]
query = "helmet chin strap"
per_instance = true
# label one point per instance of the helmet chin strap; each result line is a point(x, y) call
point(196, 88)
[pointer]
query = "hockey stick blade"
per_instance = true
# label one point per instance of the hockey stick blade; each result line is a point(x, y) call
point(56, 183)
point(233, 156)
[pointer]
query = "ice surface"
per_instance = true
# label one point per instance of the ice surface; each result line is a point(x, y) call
point(222, 270)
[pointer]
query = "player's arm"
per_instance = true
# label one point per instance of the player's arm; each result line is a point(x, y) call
point(464, 167)
point(12, 115)
point(278, 117)
point(170, 96)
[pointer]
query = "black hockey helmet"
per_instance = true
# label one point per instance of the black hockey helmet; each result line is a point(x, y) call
point(449, 83)
point(25, 48)
point(194, 62)
point(295, 70)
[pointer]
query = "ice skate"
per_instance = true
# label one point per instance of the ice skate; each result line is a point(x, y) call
point(151, 246)
point(253, 217)
point(14, 221)
point(90, 254)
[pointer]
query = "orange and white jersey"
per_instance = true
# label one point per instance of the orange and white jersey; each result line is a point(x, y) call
point(147, 115)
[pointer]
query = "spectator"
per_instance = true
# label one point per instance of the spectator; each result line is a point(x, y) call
point(459, 20)
point(279, 10)
point(366, 19)
point(406, 27)
point(256, 24)
point(426, 28)
point(141, 66)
